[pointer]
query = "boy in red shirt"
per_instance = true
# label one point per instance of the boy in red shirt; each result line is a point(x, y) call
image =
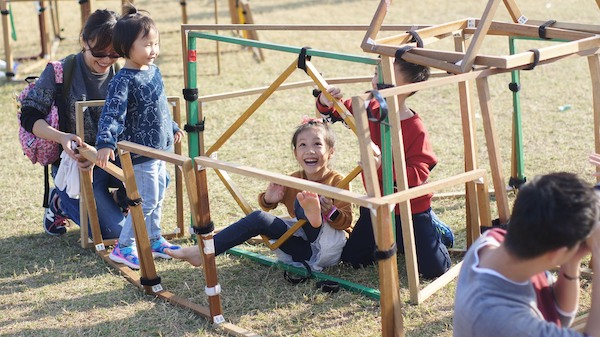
point(432, 255)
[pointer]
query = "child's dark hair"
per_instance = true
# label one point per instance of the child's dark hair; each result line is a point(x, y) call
point(413, 73)
point(133, 24)
point(328, 133)
point(99, 28)
point(551, 211)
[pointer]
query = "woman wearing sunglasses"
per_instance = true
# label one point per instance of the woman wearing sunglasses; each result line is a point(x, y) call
point(86, 74)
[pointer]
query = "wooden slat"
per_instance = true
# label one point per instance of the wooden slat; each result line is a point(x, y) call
point(142, 242)
point(284, 86)
point(432, 186)
point(339, 106)
point(255, 105)
point(441, 30)
point(493, 150)
point(477, 40)
point(293, 182)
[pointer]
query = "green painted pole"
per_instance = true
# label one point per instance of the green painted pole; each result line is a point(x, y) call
point(192, 105)
point(284, 48)
point(518, 177)
point(357, 288)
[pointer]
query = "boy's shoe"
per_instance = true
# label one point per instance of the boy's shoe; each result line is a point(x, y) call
point(158, 248)
point(55, 220)
point(126, 255)
point(445, 231)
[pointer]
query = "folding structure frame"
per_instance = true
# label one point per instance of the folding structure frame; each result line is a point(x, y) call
point(80, 106)
point(147, 279)
point(582, 40)
point(380, 206)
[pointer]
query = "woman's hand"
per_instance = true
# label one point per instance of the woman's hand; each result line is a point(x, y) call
point(70, 142)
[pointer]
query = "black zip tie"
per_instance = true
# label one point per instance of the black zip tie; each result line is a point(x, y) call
point(328, 286)
point(201, 230)
point(190, 94)
point(416, 38)
point(383, 107)
point(316, 92)
point(81, 2)
point(542, 29)
point(302, 58)
point(149, 282)
point(514, 87)
point(401, 51)
point(182, 3)
point(134, 202)
point(536, 59)
point(4, 12)
point(297, 279)
point(385, 254)
point(194, 128)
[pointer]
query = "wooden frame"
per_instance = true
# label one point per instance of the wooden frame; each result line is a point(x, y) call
point(87, 202)
point(474, 180)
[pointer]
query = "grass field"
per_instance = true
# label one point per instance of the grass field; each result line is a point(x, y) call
point(52, 287)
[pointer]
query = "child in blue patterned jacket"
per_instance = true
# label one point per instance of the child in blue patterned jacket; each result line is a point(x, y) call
point(136, 110)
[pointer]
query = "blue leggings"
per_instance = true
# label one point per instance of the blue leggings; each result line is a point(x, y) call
point(260, 222)
point(432, 256)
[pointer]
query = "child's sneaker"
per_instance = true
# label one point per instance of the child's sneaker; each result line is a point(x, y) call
point(55, 220)
point(158, 248)
point(126, 255)
point(445, 231)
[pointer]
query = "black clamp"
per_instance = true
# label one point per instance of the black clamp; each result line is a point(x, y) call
point(199, 127)
point(302, 58)
point(542, 29)
point(416, 38)
point(514, 87)
point(182, 3)
point(536, 59)
point(516, 182)
point(5, 12)
point(134, 202)
point(201, 230)
point(297, 279)
point(401, 51)
point(383, 107)
point(149, 282)
point(385, 254)
point(190, 94)
point(81, 2)
point(328, 286)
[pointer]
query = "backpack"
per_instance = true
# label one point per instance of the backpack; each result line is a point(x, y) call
point(39, 150)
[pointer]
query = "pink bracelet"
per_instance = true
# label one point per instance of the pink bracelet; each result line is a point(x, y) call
point(328, 216)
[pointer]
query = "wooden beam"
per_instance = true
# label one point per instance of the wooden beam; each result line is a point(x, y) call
point(293, 182)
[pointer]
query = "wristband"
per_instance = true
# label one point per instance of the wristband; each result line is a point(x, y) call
point(330, 213)
point(570, 278)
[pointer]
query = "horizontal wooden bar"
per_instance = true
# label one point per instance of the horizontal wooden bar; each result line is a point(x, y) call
point(89, 153)
point(433, 186)
point(297, 183)
point(146, 151)
point(296, 27)
point(437, 31)
point(299, 84)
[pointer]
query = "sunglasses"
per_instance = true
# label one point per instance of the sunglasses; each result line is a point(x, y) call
point(101, 56)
